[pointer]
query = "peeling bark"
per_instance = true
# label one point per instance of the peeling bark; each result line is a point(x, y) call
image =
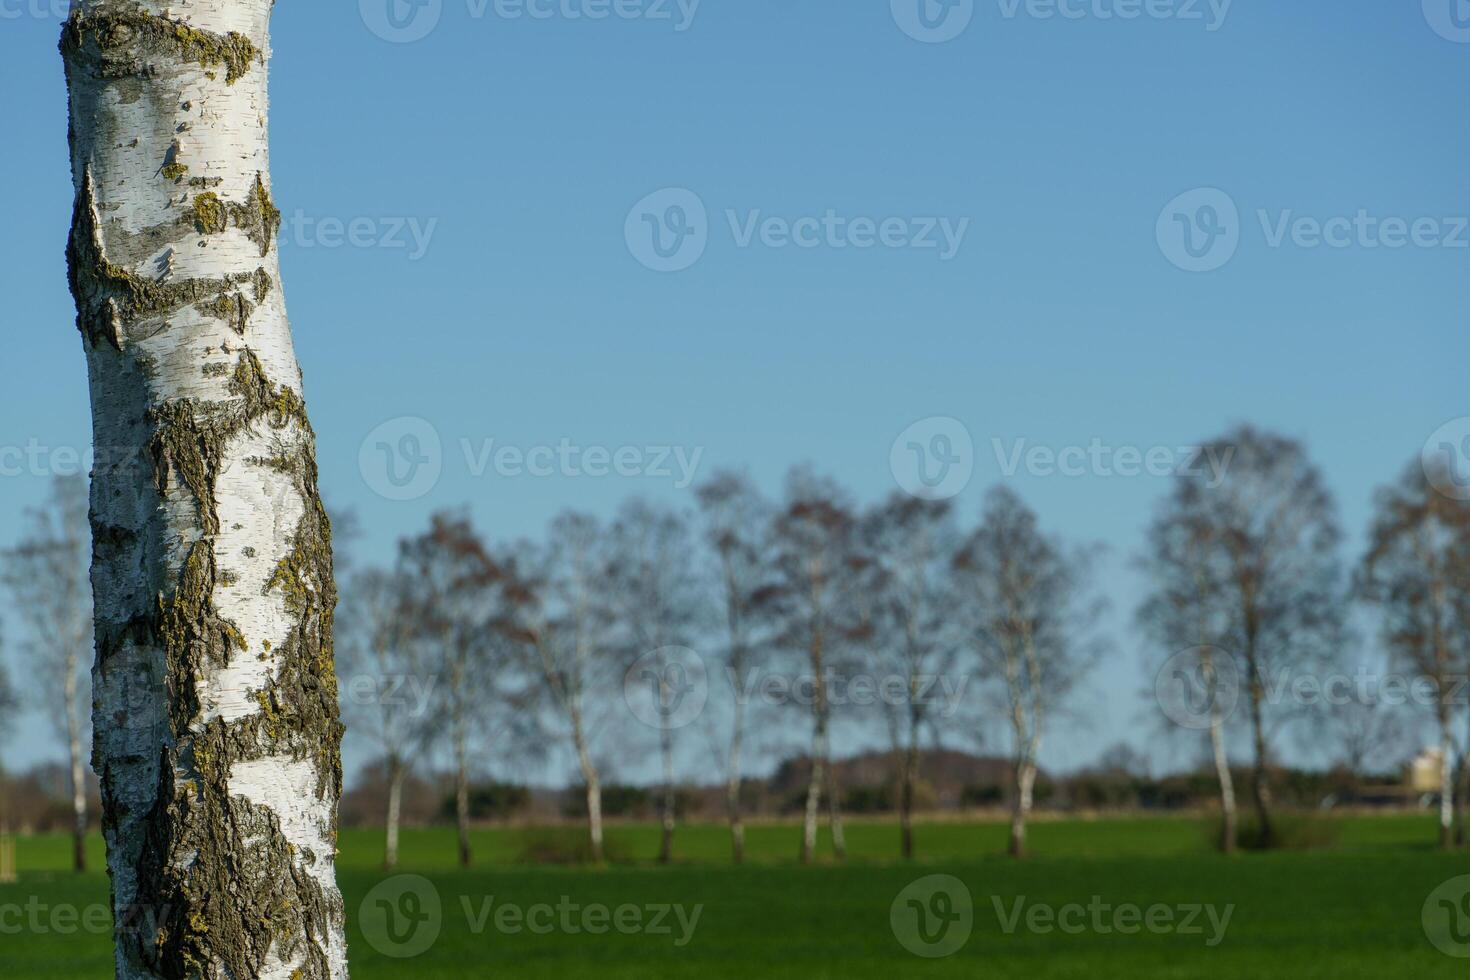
point(217, 729)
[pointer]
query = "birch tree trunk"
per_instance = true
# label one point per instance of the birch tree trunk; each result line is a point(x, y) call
point(733, 782)
point(397, 771)
point(817, 777)
point(906, 792)
point(1228, 833)
point(217, 736)
point(1025, 795)
point(813, 796)
point(593, 785)
point(1446, 782)
point(462, 795)
point(668, 801)
point(834, 808)
point(78, 770)
point(1260, 787)
point(1462, 784)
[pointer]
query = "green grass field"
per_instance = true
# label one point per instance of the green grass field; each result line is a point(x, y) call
point(1354, 911)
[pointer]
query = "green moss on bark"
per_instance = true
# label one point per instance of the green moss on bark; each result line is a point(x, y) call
point(209, 214)
point(257, 216)
point(120, 43)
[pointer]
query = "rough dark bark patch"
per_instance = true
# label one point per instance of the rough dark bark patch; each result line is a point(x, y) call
point(119, 44)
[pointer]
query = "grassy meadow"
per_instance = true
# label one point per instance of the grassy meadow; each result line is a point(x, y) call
point(1116, 897)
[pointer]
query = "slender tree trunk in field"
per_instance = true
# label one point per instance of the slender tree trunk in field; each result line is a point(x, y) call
point(78, 772)
point(1260, 787)
point(216, 720)
point(1462, 786)
point(462, 793)
point(593, 787)
point(732, 787)
point(814, 792)
point(821, 762)
point(397, 771)
point(906, 797)
point(1228, 833)
point(1462, 793)
point(1023, 771)
point(834, 808)
point(667, 804)
point(1025, 789)
point(1446, 782)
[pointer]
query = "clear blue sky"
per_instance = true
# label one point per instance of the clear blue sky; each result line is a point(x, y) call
point(529, 320)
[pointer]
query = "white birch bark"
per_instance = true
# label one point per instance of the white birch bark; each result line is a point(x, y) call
point(217, 732)
point(397, 771)
point(1222, 772)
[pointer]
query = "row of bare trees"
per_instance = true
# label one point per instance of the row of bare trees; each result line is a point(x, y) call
point(512, 646)
point(491, 652)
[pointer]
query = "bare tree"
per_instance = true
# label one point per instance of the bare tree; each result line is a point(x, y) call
point(1417, 574)
point(561, 620)
point(216, 713)
point(389, 681)
point(654, 600)
point(911, 543)
point(46, 575)
point(453, 591)
point(1029, 615)
point(1188, 615)
point(736, 519)
point(1269, 524)
point(9, 705)
point(819, 564)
